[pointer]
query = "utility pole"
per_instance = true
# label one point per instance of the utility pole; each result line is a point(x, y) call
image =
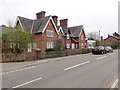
point(99, 34)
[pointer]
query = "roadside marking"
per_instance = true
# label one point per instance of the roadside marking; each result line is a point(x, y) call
point(111, 54)
point(26, 83)
point(101, 57)
point(17, 70)
point(115, 83)
point(76, 65)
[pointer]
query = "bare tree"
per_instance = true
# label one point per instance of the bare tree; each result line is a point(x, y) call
point(9, 23)
point(93, 35)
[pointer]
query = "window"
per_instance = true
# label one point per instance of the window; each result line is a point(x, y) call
point(76, 45)
point(67, 45)
point(82, 37)
point(49, 33)
point(68, 37)
point(12, 45)
point(82, 45)
point(29, 47)
point(50, 45)
point(34, 45)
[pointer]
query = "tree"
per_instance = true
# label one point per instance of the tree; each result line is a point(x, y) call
point(58, 46)
point(93, 36)
point(17, 40)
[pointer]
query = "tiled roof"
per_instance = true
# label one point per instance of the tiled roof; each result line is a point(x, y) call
point(75, 31)
point(26, 23)
point(36, 26)
point(65, 30)
point(113, 37)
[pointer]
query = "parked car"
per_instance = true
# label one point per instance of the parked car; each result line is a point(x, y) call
point(99, 50)
point(108, 49)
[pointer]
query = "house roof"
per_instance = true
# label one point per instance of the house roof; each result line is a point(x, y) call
point(34, 26)
point(26, 23)
point(65, 30)
point(75, 31)
point(113, 37)
point(39, 24)
point(74, 40)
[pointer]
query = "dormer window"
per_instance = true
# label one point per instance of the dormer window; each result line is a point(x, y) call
point(49, 33)
point(68, 37)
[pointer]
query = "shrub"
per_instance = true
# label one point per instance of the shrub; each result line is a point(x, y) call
point(49, 50)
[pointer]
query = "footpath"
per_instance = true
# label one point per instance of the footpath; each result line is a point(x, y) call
point(6, 67)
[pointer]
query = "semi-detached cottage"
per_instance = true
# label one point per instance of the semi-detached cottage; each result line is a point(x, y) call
point(47, 32)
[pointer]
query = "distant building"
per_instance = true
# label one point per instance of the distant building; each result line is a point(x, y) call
point(90, 43)
point(112, 40)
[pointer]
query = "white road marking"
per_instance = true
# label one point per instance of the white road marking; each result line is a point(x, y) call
point(26, 83)
point(101, 57)
point(17, 70)
point(76, 65)
point(111, 54)
point(115, 83)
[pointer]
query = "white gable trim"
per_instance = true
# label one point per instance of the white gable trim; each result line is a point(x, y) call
point(18, 20)
point(60, 29)
point(82, 29)
point(53, 25)
point(32, 26)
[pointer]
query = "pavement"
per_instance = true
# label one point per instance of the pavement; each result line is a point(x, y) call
point(78, 71)
point(6, 67)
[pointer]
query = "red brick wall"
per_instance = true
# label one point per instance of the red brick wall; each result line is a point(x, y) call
point(110, 41)
point(81, 41)
point(42, 39)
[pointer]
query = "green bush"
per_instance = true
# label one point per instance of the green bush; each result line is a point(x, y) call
point(86, 50)
point(49, 50)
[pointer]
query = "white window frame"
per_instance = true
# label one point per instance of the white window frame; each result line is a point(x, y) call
point(29, 47)
point(68, 45)
point(49, 33)
point(76, 45)
point(34, 45)
point(50, 45)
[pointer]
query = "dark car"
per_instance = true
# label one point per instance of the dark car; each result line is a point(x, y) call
point(108, 49)
point(99, 50)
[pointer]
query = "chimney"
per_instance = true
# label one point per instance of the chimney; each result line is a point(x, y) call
point(40, 15)
point(101, 38)
point(108, 35)
point(64, 23)
point(55, 19)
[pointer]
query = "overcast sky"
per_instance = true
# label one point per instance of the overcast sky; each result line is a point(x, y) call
point(94, 15)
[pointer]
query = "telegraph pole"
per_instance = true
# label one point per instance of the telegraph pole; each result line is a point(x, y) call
point(99, 34)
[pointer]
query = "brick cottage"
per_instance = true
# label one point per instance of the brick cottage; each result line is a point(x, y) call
point(48, 32)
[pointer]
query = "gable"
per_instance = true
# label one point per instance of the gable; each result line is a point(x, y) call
point(82, 31)
point(53, 24)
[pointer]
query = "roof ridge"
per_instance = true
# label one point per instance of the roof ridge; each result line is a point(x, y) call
point(76, 26)
point(24, 18)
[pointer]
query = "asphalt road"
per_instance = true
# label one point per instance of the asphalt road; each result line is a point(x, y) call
point(81, 71)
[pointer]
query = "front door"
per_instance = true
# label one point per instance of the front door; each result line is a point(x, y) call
point(73, 45)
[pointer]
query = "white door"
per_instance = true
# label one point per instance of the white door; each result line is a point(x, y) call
point(73, 45)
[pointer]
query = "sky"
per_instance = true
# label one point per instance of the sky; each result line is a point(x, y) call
point(94, 15)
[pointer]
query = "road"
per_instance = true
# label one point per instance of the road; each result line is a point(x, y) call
point(79, 71)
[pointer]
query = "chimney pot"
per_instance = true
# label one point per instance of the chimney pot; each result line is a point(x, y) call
point(55, 19)
point(64, 23)
point(40, 15)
